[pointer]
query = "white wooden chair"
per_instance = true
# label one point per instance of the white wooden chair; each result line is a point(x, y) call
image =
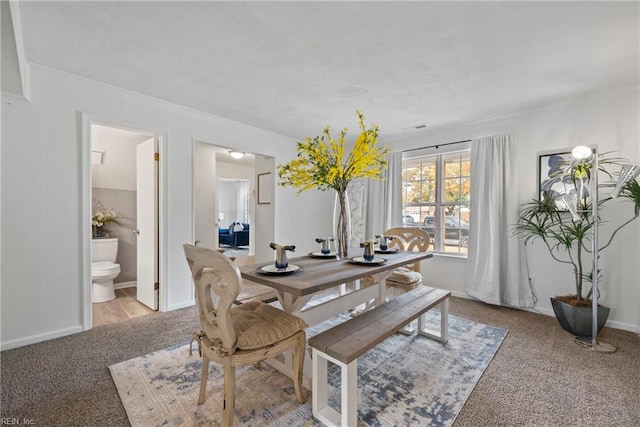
point(403, 279)
point(237, 335)
point(407, 239)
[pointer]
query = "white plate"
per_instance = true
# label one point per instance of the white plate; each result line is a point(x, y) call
point(386, 251)
point(321, 255)
point(271, 269)
point(362, 261)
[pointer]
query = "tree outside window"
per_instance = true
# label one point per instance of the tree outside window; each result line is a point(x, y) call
point(436, 197)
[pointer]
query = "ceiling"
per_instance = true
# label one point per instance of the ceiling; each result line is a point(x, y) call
point(222, 155)
point(294, 67)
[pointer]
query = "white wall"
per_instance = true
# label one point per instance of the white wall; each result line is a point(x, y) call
point(264, 227)
point(608, 120)
point(298, 219)
point(204, 187)
point(41, 197)
point(233, 170)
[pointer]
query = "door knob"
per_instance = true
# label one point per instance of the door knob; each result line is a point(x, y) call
point(136, 231)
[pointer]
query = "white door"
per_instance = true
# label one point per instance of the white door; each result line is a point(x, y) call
point(147, 226)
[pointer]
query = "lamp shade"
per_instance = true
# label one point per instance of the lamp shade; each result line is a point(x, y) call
point(570, 202)
point(581, 152)
point(627, 173)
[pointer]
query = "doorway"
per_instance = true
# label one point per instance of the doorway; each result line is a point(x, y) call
point(224, 204)
point(124, 181)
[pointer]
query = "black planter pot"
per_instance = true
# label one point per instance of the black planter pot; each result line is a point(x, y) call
point(577, 320)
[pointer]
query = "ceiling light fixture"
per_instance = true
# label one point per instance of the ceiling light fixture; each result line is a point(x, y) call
point(236, 154)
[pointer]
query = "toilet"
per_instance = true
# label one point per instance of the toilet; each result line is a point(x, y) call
point(103, 268)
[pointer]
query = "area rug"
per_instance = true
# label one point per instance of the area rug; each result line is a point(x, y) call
point(405, 380)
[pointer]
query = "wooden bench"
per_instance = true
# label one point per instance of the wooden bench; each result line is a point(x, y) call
point(345, 343)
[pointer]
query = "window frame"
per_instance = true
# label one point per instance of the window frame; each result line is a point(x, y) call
point(439, 205)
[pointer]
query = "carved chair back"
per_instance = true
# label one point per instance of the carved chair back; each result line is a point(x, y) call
point(214, 272)
point(411, 239)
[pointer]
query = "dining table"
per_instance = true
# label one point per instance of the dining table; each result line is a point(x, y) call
point(317, 287)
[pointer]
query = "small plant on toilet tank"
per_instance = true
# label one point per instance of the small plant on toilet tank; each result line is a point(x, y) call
point(100, 218)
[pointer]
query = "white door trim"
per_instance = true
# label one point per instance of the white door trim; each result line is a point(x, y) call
point(87, 121)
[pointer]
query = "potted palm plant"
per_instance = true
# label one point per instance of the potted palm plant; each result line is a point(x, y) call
point(563, 220)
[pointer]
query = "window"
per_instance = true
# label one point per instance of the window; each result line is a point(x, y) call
point(436, 191)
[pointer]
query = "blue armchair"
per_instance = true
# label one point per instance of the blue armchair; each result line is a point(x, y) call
point(234, 238)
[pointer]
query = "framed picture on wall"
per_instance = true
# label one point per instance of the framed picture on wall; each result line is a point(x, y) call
point(265, 190)
point(551, 164)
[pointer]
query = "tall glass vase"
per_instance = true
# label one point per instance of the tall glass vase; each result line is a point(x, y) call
point(341, 224)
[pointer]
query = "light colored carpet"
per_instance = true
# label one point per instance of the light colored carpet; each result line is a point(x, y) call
point(403, 381)
point(538, 377)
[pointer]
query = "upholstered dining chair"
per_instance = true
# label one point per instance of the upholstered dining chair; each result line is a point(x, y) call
point(407, 239)
point(237, 335)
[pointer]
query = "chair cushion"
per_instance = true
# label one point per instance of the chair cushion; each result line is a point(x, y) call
point(404, 276)
point(260, 325)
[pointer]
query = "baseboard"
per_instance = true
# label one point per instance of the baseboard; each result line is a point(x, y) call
point(460, 295)
point(549, 312)
point(32, 339)
point(122, 285)
point(184, 304)
point(610, 323)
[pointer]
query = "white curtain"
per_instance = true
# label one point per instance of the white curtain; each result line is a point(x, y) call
point(384, 198)
point(494, 273)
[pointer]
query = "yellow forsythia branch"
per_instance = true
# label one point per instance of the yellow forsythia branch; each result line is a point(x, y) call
point(321, 162)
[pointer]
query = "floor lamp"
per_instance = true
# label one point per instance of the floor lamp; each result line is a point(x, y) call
point(628, 172)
